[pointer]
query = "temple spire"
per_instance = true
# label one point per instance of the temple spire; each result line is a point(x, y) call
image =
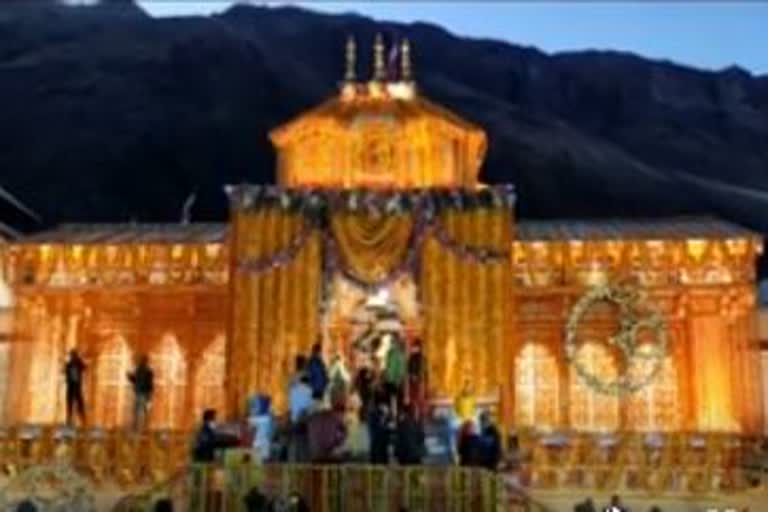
point(351, 61)
point(406, 68)
point(379, 71)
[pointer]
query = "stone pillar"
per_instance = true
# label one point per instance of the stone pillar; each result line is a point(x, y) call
point(711, 360)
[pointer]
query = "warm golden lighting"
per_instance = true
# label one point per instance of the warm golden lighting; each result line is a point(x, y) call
point(655, 407)
point(112, 406)
point(536, 387)
point(217, 331)
point(209, 378)
point(380, 138)
point(590, 409)
point(170, 367)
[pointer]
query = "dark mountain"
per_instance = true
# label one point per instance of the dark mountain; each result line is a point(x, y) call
point(108, 114)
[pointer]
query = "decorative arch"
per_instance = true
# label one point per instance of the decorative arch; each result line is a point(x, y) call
point(169, 364)
point(536, 386)
point(209, 377)
point(591, 410)
point(113, 394)
point(655, 407)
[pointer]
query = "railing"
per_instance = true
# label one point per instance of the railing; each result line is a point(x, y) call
point(121, 458)
point(334, 488)
point(672, 464)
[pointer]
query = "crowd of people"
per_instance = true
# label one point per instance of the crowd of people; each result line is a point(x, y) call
point(334, 417)
point(379, 415)
point(375, 416)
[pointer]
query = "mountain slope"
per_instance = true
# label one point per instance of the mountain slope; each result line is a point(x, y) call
point(110, 115)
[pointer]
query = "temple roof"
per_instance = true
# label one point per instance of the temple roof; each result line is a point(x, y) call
point(346, 111)
point(106, 234)
point(631, 229)
point(527, 230)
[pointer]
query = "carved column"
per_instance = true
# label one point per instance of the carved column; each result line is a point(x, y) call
point(711, 368)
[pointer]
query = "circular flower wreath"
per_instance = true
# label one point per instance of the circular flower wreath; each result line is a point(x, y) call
point(633, 318)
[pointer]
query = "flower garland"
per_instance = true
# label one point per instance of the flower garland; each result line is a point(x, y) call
point(467, 252)
point(282, 256)
point(316, 201)
point(632, 321)
point(408, 265)
point(425, 221)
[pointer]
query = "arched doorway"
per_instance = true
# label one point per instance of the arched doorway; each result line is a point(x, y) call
point(170, 368)
point(591, 410)
point(112, 399)
point(536, 387)
point(654, 407)
point(209, 378)
point(356, 318)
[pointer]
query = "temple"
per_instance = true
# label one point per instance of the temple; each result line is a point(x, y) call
point(602, 325)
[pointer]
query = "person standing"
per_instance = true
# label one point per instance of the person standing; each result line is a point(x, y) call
point(364, 384)
point(490, 443)
point(465, 404)
point(379, 432)
point(318, 374)
point(73, 374)
point(394, 375)
point(338, 375)
point(143, 381)
point(409, 439)
point(326, 432)
point(416, 383)
point(467, 445)
point(299, 402)
point(299, 370)
point(464, 411)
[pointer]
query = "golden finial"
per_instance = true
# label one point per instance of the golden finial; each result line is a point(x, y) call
point(379, 72)
point(351, 59)
point(406, 69)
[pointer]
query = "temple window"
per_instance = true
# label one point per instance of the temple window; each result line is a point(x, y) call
point(591, 410)
point(113, 390)
point(536, 386)
point(170, 369)
point(654, 407)
point(209, 378)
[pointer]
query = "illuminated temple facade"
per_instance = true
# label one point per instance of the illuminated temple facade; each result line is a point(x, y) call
point(184, 295)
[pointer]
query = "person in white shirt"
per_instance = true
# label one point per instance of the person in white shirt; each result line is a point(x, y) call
point(299, 398)
point(615, 505)
point(300, 402)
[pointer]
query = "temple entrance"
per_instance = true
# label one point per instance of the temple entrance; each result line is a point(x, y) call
point(359, 324)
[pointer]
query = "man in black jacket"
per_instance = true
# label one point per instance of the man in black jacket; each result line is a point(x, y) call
point(209, 440)
point(143, 381)
point(73, 374)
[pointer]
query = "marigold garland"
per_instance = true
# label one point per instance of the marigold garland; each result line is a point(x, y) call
point(633, 318)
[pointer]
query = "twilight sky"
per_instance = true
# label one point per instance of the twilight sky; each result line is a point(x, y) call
point(710, 35)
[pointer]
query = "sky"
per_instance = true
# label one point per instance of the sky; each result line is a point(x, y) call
point(705, 34)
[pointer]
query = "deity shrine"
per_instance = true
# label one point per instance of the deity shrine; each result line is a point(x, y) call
point(600, 325)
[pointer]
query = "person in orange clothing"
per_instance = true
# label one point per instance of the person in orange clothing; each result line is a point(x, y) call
point(465, 404)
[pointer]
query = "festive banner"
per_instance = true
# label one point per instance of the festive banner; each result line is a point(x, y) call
point(275, 312)
point(456, 244)
point(468, 303)
point(371, 246)
point(316, 202)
